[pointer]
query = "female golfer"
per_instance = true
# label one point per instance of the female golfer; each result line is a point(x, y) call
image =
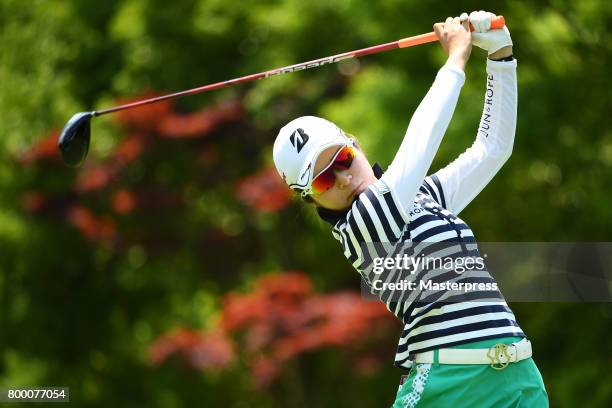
point(463, 348)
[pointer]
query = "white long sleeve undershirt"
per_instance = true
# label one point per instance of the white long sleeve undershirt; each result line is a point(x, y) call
point(467, 175)
point(423, 136)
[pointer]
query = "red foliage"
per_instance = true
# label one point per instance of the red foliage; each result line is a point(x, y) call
point(33, 201)
point(264, 370)
point(213, 350)
point(209, 156)
point(282, 317)
point(275, 298)
point(45, 148)
point(331, 320)
point(129, 149)
point(264, 191)
point(276, 294)
point(123, 201)
point(92, 227)
point(146, 125)
point(199, 123)
point(367, 364)
point(94, 178)
point(146, 117)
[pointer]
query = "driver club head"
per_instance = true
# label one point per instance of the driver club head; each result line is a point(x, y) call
point(74, 139)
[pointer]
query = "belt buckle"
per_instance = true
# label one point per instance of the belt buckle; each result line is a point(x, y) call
point(499, 357)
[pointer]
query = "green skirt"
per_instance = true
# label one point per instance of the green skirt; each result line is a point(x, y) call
point(473, 385)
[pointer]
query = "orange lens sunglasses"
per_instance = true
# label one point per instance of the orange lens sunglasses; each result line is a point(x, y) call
point(327, 177)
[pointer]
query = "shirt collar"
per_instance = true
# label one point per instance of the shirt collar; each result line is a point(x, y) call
point(333, 216)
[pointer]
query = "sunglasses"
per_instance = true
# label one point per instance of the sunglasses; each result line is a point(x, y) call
point(326, 178)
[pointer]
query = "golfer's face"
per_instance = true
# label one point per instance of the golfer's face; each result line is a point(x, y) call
point(348, 183)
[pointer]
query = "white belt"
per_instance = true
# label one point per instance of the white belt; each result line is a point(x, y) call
point(498, 356)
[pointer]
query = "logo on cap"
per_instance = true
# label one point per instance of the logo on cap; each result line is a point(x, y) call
point(298, 139)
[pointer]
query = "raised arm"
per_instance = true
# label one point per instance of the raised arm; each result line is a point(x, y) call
point(466, 176)
point(431, 119)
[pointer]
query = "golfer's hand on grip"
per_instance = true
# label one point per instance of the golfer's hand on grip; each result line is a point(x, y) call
point(455, 37)
point(496, 42)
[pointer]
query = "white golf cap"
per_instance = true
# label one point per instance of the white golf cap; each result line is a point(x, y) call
point(298, 145)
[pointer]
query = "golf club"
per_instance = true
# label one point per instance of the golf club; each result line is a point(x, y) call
point(75, 136)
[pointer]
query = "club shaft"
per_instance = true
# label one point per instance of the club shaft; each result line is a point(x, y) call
point(291, 68)
point(403, 43)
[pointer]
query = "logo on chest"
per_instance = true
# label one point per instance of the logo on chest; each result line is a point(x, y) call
point(422, 205)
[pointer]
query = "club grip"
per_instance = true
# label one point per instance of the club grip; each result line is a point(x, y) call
point(496, 23)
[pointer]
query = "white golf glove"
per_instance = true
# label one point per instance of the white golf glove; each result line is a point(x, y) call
point(485, 38)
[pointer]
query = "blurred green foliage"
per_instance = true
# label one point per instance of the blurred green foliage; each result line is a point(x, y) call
point(81, 313)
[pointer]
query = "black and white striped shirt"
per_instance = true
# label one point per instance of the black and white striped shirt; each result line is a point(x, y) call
point(405, 206)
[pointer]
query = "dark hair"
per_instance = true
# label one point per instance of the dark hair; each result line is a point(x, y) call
point(308, 199)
